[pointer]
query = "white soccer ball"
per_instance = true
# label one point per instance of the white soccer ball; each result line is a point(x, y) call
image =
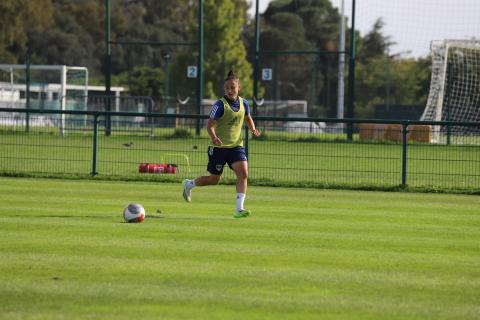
point(134, 212)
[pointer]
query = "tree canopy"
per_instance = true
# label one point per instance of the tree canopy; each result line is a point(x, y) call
point(73, 33)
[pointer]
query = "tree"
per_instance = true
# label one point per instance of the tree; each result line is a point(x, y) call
point(375, 44)
point(224, 48)
point(149, 21)
point(285, 32)
point(20, 19)
point(73, 36)
point(390, 80)
point(73, 33)
point(307, 25)
point(143, 81)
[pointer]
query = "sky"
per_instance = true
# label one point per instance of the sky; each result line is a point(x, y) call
point(412, 24)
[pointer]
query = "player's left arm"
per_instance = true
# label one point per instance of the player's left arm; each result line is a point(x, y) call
point(249, 120)
point(251, 126)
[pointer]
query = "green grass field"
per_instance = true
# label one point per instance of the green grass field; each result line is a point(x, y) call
point(277, 160)
point(304, 254)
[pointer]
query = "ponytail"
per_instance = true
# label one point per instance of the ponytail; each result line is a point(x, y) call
point(231, 76)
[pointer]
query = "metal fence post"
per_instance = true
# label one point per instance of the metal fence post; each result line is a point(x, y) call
point(449, 99)
point(404, 154)
point(255, 64)
point(108, 69)
point(27, 90)
point(351, 77)
point(95, 143)
point(200, 74)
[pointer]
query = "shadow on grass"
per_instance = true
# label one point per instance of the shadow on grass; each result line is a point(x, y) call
point(119, 219)
point(63, 216)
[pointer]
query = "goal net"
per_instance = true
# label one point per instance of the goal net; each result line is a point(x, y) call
point(455, 87)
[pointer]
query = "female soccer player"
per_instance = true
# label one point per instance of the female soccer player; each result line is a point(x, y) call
point(225, 130)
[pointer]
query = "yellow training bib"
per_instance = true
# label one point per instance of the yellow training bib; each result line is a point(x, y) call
point(229, 126)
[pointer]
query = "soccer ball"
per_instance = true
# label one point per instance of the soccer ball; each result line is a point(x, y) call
point(134, 212)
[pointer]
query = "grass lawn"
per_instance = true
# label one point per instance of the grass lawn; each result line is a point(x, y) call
point(283, 162)
point(304, 254)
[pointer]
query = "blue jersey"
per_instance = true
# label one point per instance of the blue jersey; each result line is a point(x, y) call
point(218, 108)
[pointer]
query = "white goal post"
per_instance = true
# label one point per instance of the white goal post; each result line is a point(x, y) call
point(52, 85)
point(455, 86)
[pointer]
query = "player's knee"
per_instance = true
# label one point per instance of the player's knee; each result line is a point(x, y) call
point(242, 174)
point(214, 179)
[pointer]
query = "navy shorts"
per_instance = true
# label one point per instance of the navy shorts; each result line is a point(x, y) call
point(218, 157)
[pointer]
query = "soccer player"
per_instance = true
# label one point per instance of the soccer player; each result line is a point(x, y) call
point(225, 130)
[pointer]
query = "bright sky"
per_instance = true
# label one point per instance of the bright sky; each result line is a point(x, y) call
point(412, 24)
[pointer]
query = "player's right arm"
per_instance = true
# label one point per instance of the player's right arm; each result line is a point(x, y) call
point(211, 132)
point(215, 114)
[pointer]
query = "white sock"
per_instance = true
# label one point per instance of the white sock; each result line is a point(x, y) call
point(240, 200)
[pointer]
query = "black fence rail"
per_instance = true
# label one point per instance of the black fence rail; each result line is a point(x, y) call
point(382, 154)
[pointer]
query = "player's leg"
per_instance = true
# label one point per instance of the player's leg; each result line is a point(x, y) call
point(188, 184)
point(216, 162)
point(238, 163)
point(241, 171)
point(210, 180)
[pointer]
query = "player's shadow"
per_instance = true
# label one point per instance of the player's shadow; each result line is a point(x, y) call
point(119, 219)
point(62, 216)
point(201, 218)
point(148, 217)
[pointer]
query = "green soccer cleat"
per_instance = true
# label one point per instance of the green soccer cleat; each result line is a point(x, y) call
point(241, 213)
point(187, 193)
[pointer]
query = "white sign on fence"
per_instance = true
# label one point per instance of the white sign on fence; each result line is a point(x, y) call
point(191, 71)
point(267, 74)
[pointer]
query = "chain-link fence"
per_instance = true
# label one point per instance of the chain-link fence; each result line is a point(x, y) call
point(290, 151)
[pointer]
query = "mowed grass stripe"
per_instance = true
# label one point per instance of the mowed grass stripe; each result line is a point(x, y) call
point(354, 234)
point(304, 253)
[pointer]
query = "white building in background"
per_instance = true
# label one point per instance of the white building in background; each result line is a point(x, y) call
point(50, 87)
point(70, 86)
